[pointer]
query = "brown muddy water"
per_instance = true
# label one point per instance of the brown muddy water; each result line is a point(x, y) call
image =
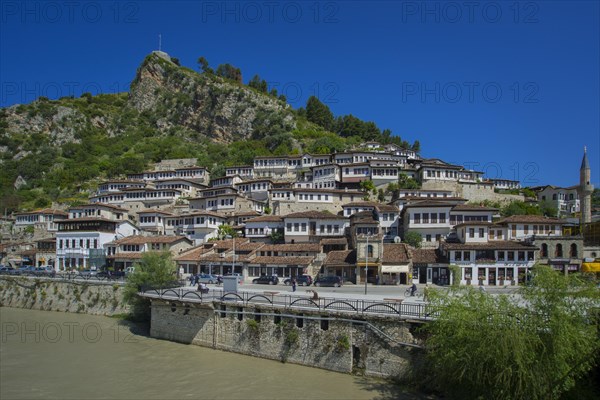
point(52, 355)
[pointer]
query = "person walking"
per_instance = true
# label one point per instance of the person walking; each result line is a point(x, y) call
point(293, 284)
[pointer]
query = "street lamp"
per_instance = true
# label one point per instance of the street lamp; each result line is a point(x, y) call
point(366, 262)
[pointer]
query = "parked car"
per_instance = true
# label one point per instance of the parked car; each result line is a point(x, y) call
point(26, 270)
point(208, 278)
point(302, 280)
point(266, 280)
point(87, 273)
point(7, 270)
point(45, 271)
point(335, 281)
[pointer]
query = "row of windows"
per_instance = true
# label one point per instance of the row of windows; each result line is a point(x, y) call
point(313, 197)
point(302, 227)
point(77, 244)
point(429, 218)
point(558, 251)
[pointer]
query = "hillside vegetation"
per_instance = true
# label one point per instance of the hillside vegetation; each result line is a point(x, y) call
point(58, 150)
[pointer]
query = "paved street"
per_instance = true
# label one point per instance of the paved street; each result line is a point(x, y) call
point(353, 291)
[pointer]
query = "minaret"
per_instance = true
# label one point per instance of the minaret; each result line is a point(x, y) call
point(585, 190)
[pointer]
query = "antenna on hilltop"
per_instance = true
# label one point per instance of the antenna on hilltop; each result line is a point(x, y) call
point(159, 42)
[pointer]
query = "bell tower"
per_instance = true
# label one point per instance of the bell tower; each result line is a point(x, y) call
point(585, 190)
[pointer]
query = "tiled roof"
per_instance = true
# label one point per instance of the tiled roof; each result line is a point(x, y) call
point(105, 205)
point(314, 215)
point(340, 257)
point(472, 207)
point(266, 218)
point(334, 241)
point(394, 253)
point(44, 211)
point(430, 202)
point(363, 217)
point(126, 256)
point(530, 219)
point(362, 204)
point(474, 223)
point(155, 211)
point(491, 245)
point(193, 254)
point(282, 260)
point(297, 247)
point(137, 239)
point(427, 256)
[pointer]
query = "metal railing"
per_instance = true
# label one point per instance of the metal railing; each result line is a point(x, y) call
point(396, 307)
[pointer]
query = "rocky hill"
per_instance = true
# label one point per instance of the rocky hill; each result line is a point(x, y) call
point(57, 150)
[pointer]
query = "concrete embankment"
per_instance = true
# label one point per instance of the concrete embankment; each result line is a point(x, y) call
point(46, 294)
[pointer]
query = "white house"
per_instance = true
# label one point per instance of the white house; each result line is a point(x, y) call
point(80, 241)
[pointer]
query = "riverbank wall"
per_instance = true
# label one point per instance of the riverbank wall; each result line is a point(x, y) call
point(369, 345)
point(46, 294)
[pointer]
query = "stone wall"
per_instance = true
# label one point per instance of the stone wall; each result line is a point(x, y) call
point(57, 295)
point(473, 192)
point(328, 341)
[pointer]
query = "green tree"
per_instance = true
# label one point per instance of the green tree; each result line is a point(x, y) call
point(368, 187)
point(258, 84)
point(154, 270)
point(413, 238)
point(393, 189)
point(318, 113)
point(226, 230)
point(228, 71)
point(495, 347)
point(406, 182)
point(203, 65)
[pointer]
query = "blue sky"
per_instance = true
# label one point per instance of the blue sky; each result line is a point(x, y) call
point(510, 88)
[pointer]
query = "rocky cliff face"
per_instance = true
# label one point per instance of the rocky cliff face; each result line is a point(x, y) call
point(222, 110)
point(169, 95)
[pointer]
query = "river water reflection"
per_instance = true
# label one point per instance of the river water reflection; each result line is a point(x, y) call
point(77, 356)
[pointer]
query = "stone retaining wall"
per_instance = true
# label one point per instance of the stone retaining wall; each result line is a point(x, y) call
point(45, 294)
point(329, 341)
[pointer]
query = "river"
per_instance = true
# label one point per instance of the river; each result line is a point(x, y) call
point(47, 355)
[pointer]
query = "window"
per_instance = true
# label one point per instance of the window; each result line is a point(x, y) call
point(304, 227)
point(500, 256)
point(458, 255)
point(573, 251)
point(288, 227)
point(471, 232)
point(558, 253)
point(530, 256)
point(492, 234)
point(296, 227)
point(428, 238)
point(526, 229)
point(370, 251)
point(481, 232)
point(417, 218)
point(521, 256)
point(438, 237)
point(514, 230)
point(544, 250)
point(468, 273)
point(442, 218)
point(510, 256)
point(425, 218)
point(434, 218)
point(467, 256)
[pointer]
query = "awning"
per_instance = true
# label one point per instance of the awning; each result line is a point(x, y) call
point(590, 267)
point(394, 269)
